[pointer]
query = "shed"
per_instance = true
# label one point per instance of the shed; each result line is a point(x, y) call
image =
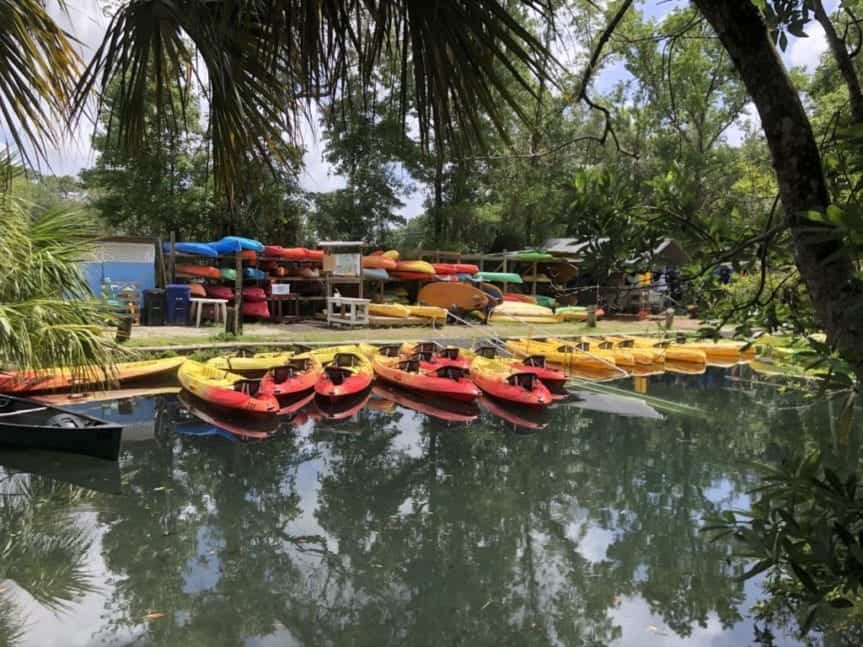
point(122, 259)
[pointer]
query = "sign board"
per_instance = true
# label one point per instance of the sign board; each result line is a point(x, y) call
point(342, 264)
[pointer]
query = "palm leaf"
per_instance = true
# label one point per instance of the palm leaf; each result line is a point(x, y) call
point(38, 69)
point(48, 316)
point(263, 61)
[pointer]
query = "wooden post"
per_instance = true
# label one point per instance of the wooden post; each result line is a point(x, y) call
point(482, 262)
point(591, 316)
point(505, 284)
point(238, 294)
point(172, 260)
point(669, 318)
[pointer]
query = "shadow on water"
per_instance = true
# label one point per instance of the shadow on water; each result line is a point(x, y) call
point(388, 523)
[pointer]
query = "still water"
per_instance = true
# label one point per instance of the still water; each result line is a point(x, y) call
point(384, 525)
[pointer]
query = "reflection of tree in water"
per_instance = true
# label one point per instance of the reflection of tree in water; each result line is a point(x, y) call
point(42, 549)
point(467, 536)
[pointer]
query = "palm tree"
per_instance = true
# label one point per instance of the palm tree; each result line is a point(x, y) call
point(48, 316)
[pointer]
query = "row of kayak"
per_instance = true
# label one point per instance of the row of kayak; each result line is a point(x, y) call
point(345, 367)
point(345, 371)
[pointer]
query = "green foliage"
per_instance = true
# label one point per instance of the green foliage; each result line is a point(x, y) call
point(806, 523)
point(48, 316)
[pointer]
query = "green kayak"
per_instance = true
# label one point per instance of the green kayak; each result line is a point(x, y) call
point(228, 274)
point(497, 277)
point(534, 256)
point(548, 302)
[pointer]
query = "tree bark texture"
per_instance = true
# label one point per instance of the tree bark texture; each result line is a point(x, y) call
point(823, 262)
point(843, 62)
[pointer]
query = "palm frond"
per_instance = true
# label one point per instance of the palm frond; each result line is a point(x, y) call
point(38, 70)
point(263, 61)
point(48, 316)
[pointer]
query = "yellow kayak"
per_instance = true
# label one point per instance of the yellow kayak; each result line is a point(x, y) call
point(722, 352)
point(427, 312)
point(389, 310)
point(259, 362)
point(564, 354)
point(226, 390)
point(671, 350)
point(622, 357)
point(66, 378)
point(642, 355)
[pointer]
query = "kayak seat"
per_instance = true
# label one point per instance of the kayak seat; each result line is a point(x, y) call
point(489, 352)
point(583, 345)
point(249, 387)
point(425, 347)
point(606, 345)
point(283, 373)
point(537, 361)
point(449, 353)
point(390, 350)
point(410, 366)
point(66, 421)
point(422, 356)
point(345, 360)
point(524, 380)
point(451, 372)
point(337, 374)
point(626, 343)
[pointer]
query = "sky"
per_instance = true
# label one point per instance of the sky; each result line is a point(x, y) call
point(87, 22)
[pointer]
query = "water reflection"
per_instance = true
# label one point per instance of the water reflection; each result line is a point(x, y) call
point(395, 523)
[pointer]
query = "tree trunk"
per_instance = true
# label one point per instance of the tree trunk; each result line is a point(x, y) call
point(437, 209)
point(824, 264)
point(843, 62)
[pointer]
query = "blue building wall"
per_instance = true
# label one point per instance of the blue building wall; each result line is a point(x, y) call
point(143, 273)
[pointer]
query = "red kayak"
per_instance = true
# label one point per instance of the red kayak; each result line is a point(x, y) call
point(498, 379)
point(536, 364)
point(445, 381)
point(348, 374)
point(412, 276)
point(433, 355)
point(299, 375)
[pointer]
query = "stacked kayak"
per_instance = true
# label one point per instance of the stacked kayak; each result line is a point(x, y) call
point(443, 380)
point(379, 262)
point(298, 375)
point(498, 379)
point(346, 371)
point(519, 311)
point(234, 244)
point(226, 390)
point(498, 277)
point(197, 271)
point(521, 298)
point(453, 295)
point(575, 313)
point(65, 378)
point(427, 312)
point(389, 310)
point(194, 249)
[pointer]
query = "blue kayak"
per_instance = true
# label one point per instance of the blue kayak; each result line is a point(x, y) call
point(198, 249)
point(254, 274)
point(233, 244)
point(371, 274)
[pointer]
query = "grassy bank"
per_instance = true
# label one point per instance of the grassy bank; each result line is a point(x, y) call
point(269, 334)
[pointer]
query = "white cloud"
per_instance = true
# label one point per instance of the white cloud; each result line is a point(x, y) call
point(806, 52)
